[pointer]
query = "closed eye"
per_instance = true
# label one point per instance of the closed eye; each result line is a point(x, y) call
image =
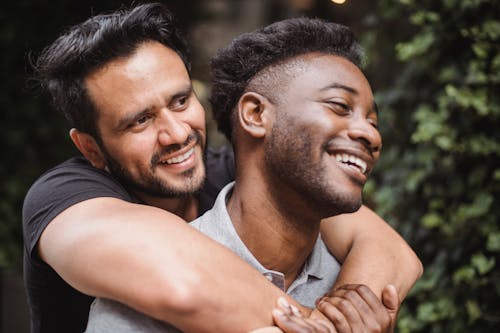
point(339, 108)
point(373, 122)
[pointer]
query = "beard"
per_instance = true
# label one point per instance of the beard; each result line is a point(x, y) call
point(292, 157)
point(149, 183)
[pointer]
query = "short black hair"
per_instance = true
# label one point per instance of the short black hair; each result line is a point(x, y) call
point(235, 65)
point(63, 66)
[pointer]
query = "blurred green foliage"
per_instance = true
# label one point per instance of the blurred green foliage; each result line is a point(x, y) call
point(436, 68)
point(438, 181)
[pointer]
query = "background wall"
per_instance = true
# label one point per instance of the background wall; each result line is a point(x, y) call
point(435, 68)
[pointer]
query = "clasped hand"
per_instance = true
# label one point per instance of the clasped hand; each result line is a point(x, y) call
point(351, 308)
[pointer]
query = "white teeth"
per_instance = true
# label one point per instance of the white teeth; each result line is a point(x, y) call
point(345, 158)
point(181, 158)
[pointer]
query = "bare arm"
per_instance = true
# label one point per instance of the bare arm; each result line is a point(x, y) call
point(371, 251)
point(154, 262)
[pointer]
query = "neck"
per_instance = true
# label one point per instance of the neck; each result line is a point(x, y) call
point(185, 207)
point(281, 237)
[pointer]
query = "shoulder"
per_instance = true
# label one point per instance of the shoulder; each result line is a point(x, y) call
point(61, 187)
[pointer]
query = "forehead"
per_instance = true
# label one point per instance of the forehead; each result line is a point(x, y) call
point(129, 82)
point(317, 71)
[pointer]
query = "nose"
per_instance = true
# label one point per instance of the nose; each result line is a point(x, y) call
point(362, 130)
point(171, 128)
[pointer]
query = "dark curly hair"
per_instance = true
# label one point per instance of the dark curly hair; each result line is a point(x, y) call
point(246, 57)
point(63, 66)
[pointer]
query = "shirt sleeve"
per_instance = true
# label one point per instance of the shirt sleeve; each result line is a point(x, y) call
point(60, 188)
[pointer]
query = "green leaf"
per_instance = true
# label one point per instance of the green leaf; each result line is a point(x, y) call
point(493, 243)
point(417, 46)
point(432, 220)
point(473, 310)
point(479, 207)
point(464, 274)
point(482, 264)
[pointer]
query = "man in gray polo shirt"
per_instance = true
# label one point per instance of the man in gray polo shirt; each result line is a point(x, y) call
point(303, 122)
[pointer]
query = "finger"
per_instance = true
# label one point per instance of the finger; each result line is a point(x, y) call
point(390, 299)
point(317, 315)
point(349, 305)
point(320, 326)
point(291, 323)
point(333, 314)
point(366, 293)
point(378, 319)
point(382, 315)
point(270, 329)
point(285, 306)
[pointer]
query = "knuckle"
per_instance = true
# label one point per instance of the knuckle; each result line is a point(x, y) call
point(350, 294)
point(344, 304)
point(363, 288)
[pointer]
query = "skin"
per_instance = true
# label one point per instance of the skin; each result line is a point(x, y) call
point(108, 239)
point(330, 103)
point(289, 192)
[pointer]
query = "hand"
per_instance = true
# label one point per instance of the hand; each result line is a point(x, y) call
point(355, 308)
point(290, 320)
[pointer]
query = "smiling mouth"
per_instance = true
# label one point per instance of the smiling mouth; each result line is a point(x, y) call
point(352, 161)
point(180, 158)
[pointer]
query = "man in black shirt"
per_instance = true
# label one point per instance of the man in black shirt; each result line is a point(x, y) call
point(111, 223)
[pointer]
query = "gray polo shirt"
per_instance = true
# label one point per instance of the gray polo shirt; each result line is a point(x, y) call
point(316, 278)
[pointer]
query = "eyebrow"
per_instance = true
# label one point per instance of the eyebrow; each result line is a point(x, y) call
point(340, 86)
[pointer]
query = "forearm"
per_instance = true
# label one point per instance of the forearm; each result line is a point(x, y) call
point(372, 252)
point(157, 265)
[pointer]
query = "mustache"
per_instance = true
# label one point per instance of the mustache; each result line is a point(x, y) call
point(195, 136)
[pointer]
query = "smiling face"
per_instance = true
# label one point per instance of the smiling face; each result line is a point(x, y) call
point(324, 140)
point(151, 125)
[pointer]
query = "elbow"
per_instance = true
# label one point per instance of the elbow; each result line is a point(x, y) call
point(419, 267)
point(415, 263)
point(175, 302)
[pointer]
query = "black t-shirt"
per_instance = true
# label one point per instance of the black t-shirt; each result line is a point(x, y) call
point(55, 306)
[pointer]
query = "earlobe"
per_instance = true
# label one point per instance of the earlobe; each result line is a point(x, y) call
point(89, 148)
point(253, 114)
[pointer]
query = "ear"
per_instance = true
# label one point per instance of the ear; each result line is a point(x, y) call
point(254, 114)
point(89, 148)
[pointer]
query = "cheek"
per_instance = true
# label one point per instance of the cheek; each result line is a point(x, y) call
point(135, 148)
point(195, 118)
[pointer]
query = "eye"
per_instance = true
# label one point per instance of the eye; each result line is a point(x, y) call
point(179, 103)
point(374, 123)
point(339, 108)
point(142, 120)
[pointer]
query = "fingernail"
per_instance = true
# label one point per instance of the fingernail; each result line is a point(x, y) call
point(278, 313)
point(283, 303)
point(296, 311)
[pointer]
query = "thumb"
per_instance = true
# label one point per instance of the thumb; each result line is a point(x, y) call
point(390, 300)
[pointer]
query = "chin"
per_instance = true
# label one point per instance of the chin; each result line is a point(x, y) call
point(347, 206)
